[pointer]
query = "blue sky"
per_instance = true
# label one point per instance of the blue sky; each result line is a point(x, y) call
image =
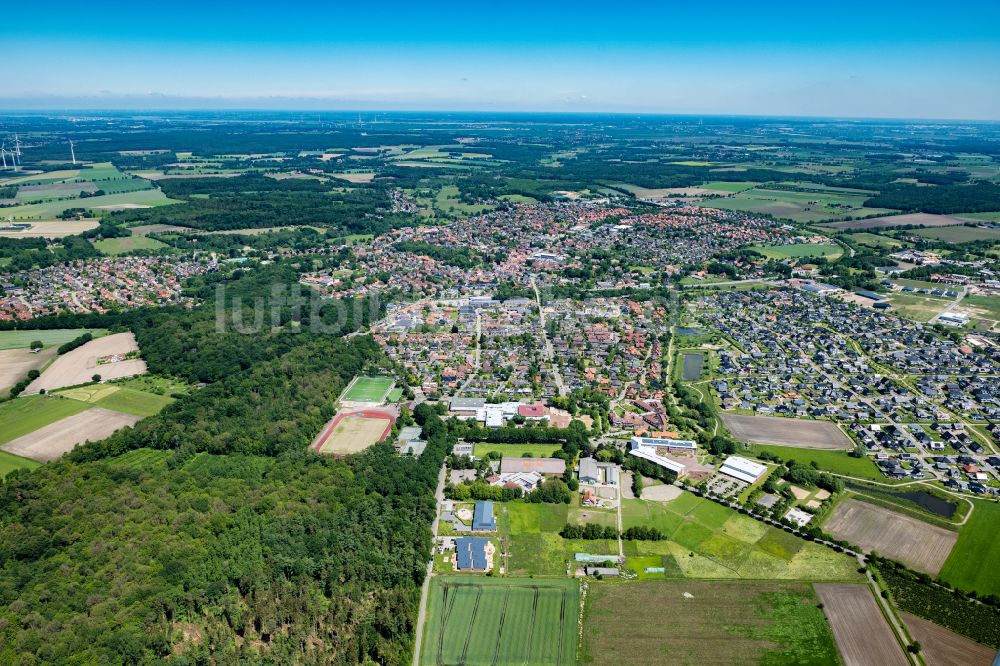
point(861, 59)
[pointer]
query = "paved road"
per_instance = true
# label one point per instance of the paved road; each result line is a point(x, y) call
point(425, 589)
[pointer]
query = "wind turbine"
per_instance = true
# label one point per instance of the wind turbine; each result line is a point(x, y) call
point(3, 154)
point(71, 153)
point(17, 153)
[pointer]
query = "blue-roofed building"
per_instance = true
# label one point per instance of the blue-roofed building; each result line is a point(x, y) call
point(870, 295)
point(470, 553)
point(482, 518)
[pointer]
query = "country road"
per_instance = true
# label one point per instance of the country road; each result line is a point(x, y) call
point(426, 587)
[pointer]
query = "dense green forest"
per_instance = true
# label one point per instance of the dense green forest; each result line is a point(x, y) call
point(942, 199)
point(233, 543)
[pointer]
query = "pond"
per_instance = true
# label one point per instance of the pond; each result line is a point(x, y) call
point(927, 501)
point(692, 366)
point(688, 330)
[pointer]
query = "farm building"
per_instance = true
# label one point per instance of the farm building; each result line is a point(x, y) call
point(871, 295)
point(472, 553)
point(482, 517)
point(593, 472)
point(604, 572)
point(742, 469)
point(544, 466)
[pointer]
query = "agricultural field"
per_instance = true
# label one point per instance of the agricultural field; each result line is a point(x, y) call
point(15, 364)
point(862, 632)
point(729, 186)
point(115, 246)
point(51, 229)
point(959, 234)
point(800, 250)
point(708, 540)
point(50, 209)
point(942, 647)
point(919, 545)
point(787, 432)
point(486, 621)
point(515, 450)
point(81, 364)
point(26, 414)
point(9, 462)
point(48, 337)
point(119, 399)
point(53, 440)
point(975, 559)
point(705, 622)
point(915, 219)
point(875, 240)
point(368, 389)
point(799, 206)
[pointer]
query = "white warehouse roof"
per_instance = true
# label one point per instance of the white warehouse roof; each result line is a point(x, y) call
point(743, 469)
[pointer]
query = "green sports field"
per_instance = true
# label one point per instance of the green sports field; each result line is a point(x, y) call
point(479, 620)
point(22, 339)
point(368, 389)
point(515, 450)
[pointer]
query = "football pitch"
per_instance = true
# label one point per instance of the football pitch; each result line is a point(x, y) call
point(501, 621)
point(368, 389)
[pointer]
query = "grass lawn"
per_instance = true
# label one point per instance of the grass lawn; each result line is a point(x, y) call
point(29, 413)
point(917, 307)
point(515, 450)
point(831, 461)
point(975, 559)
point(128, 244)
point(989, 306)
point(705, 622)
point(9, 462)
point(828, 250)
point(478, 620)
point(56, 336)
point(708, 540)
point(368, 389)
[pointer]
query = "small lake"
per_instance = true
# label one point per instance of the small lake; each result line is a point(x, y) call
point(688, 330)
point(923, 499)
point(692, 366)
